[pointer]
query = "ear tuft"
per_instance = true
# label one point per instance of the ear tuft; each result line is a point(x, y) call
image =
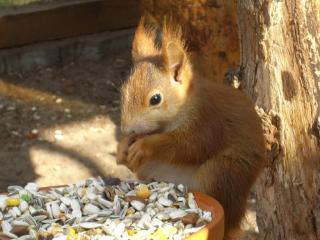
point(173, 50)
point(144, 41)
point(175, 59)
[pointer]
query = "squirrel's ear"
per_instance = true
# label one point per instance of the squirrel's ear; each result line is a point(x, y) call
point(144, 41)
point(175, 59)
point(174, 53)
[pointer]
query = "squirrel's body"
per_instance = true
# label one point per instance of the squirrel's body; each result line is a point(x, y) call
point(205, 135)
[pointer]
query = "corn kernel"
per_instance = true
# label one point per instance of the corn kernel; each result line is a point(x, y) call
point(158, 235)
point(71, 231)
point(131, 232)
point(13, 202)
point(72, 235)
point(172, 230)
point(130, 211)
point(142, 191)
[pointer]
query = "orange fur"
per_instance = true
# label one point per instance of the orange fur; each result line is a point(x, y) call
point(144, 42)
point(203, 134)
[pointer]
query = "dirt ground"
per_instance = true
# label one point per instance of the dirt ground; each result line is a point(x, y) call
point(60, 125)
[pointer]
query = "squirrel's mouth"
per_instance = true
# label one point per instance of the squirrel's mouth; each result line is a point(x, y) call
point(147, 133)
point(142, 129)
point(134, 137)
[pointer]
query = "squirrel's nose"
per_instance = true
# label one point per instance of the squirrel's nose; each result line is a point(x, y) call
point(137, 126)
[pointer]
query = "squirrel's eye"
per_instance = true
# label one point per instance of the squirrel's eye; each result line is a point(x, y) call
point(155, 99)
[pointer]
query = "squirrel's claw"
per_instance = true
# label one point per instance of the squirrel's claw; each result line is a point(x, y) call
point(138, 154)
point(123, 148)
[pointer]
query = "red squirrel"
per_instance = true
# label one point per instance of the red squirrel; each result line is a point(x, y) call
point(181, 127)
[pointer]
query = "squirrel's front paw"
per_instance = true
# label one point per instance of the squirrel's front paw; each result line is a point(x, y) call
point(123, 148)
point(139, 152)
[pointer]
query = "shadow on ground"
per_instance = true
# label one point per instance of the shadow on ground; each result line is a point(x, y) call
point(59, 125)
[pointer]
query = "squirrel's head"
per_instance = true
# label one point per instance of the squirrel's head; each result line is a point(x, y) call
point(159, 83)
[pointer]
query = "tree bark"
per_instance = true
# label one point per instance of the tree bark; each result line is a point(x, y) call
point(280, 59)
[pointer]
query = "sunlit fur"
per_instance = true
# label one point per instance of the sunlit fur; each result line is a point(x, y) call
point(147, 38)
point(152, 74)
point(208, 135)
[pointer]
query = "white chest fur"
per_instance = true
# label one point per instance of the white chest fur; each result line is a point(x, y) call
point(170, 173)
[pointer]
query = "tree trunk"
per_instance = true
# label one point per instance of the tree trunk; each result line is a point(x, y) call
point(280, 59)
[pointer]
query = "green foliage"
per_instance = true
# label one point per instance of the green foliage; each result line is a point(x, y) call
point(17, 3)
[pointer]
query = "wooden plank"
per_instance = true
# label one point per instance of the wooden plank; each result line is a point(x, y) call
point(67, 21)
